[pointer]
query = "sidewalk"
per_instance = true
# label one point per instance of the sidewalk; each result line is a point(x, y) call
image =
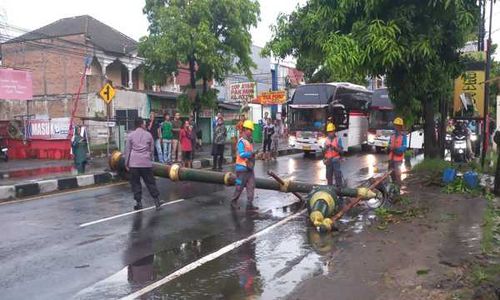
point(16, 171)
point(430, 245)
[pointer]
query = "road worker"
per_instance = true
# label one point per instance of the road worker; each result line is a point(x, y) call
point(397, 148)
point(332, 154)
point(245, 161)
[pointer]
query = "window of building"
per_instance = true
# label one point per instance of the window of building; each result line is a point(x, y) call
point(126, 117)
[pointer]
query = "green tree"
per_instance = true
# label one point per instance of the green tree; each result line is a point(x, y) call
point(414, 43)
point(211, 37)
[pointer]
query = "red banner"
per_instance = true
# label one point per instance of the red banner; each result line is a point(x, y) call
point(15, 85)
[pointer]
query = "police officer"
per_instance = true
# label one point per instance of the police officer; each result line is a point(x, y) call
point(397, 148)
point(332, 153)
point(245, 160)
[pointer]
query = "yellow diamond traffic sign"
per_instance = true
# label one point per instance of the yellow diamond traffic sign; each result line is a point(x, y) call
point(107, 93)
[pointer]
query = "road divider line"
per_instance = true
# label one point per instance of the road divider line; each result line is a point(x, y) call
point(198, 263)
point(127, 214)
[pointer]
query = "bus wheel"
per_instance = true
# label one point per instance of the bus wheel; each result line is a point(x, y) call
point(379, 149)
point(366, 148)
point(307, 153)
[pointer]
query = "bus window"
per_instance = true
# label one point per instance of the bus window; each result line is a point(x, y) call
point(353, 100)
point(310, 119)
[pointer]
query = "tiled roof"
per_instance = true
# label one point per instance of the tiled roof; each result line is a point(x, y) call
point(101, 35)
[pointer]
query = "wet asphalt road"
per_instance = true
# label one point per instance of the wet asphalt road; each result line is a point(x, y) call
point(45, 253)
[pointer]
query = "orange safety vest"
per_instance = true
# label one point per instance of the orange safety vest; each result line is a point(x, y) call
point(329, 145)
point(396, 142)
point(248, 148)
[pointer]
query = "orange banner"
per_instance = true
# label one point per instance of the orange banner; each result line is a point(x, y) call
point(271, 98)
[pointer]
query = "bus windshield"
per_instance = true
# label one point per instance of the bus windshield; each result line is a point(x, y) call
point(307, 119)
point(381, 119)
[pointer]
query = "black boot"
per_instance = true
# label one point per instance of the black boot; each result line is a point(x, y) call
point(138, 205)
point(214, 163)
point(221, 158)
point(157, 203)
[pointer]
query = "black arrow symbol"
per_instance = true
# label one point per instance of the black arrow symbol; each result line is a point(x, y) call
point(107, 92)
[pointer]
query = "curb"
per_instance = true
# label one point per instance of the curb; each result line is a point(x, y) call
point(10, 192)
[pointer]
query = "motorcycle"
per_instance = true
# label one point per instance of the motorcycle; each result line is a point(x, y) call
point(4, 152)
point(447, 141)
point(459, 147)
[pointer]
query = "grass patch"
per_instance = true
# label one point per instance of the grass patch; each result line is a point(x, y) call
point(388, 216)
point(447, 217)
point(432, 165)
point(481, 275)
point(490, 225)
point(423, 272)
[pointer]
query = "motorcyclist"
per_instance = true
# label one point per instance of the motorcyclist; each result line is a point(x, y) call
point(461, 129)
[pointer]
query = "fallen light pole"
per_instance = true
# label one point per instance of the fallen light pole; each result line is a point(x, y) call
point(322, 200)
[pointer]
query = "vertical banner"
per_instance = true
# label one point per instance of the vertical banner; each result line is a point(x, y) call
point(468, 100)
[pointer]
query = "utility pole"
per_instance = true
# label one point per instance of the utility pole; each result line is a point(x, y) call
point(487, 88)
point(496, 188)
point(480, 33)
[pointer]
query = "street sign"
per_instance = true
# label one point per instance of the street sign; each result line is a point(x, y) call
point(110, 124)
point(107, 93)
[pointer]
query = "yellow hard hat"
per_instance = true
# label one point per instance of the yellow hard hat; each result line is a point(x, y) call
point(248, 124)
point(398, 121)
point(330, 127)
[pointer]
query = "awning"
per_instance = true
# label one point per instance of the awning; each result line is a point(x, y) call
point(228, 106)
point(164, 95)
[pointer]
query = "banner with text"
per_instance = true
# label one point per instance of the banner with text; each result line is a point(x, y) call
point(244, 92)
point(55, 128)
point(271, 98)
point(468, 100)
point(15, 84)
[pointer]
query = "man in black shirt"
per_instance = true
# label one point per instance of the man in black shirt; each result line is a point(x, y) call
point(153, 128)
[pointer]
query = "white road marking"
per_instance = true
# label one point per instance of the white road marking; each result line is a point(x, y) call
point(127, 214)
point(208, 258)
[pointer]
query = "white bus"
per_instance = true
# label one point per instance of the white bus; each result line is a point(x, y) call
point(313, 105)
point(380, 123)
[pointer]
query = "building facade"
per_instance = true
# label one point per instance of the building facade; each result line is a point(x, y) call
point(72, 59)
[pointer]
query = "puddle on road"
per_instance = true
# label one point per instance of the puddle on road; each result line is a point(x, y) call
point(268, 267)
point(377, 164)
point(154, 267)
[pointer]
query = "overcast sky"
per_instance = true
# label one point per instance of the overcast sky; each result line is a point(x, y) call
point(127, 17)
point(123, 15)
